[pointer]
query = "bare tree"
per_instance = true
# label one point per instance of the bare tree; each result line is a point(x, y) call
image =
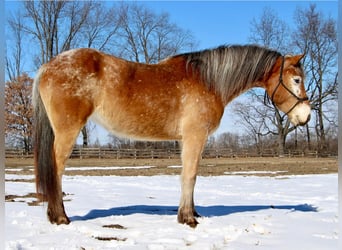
point(253, 120)
point(18, 112)
point(318, 38)
point(100, 28)
point(147, 37)
point(260, 120)
point(55, 25)
point(228, 140)
point(271, 32)
point(14, 55)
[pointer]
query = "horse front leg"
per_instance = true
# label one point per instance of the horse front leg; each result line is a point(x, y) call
point(191, 154)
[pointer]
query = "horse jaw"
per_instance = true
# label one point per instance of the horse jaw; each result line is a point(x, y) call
point(300, 115)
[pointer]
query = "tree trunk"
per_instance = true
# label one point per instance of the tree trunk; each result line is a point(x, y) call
point(85, 136)
point(322, 145)
point(281, 143)
point(308, 136)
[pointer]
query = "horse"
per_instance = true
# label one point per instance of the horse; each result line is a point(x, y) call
point(180, 98)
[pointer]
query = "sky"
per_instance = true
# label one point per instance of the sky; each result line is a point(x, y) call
point(214, 23)
point(220, 22)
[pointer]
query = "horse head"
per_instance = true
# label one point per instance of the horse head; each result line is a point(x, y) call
point(285, 87)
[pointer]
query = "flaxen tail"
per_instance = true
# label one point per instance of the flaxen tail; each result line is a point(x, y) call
point(44, 156)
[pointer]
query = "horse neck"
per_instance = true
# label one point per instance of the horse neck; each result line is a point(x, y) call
point(226, 82)
point(230, 71)
point(234, 86)
point(239, 91)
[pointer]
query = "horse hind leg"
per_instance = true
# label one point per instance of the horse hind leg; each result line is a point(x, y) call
point(63, 144)
point(52, 153)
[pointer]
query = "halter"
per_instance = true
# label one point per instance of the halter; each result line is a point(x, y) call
point(280, 82)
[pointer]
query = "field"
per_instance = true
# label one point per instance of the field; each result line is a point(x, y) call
point(245, 203)
point(208, 167)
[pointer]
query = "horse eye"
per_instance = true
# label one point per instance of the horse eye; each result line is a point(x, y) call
point(297, 80)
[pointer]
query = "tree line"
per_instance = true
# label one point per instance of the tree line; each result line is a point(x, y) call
point(136, 33)
point(236, 142)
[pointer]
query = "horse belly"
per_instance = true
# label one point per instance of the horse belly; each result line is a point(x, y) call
point(151, 125)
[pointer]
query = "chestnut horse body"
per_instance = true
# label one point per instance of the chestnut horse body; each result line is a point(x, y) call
point(181, 98)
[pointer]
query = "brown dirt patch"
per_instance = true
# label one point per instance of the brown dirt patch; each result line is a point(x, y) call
point(110, 238)
point(114, 226)
point(22, 198)
point(265, 166)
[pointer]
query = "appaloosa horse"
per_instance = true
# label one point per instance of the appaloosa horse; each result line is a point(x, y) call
point(181, 98)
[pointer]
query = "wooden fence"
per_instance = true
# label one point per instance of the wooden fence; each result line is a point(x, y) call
point(103, 153)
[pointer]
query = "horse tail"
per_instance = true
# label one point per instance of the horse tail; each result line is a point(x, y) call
point(44, 155)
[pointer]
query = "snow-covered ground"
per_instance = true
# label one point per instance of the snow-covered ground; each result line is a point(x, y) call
point(111, 212)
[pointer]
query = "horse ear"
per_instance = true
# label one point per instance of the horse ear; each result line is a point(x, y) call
point(296, 59)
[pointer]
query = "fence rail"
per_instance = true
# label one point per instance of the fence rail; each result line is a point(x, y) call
point(103, 153)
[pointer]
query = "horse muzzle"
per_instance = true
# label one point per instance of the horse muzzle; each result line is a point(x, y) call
point(300, 115)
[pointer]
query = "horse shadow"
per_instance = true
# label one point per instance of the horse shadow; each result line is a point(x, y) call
point(209, 211)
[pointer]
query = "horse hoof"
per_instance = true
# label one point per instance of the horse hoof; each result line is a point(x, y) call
point(61, 219)
point(190, 221)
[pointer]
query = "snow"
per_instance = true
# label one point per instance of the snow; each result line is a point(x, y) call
point(175, 166)
point(140, 212)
